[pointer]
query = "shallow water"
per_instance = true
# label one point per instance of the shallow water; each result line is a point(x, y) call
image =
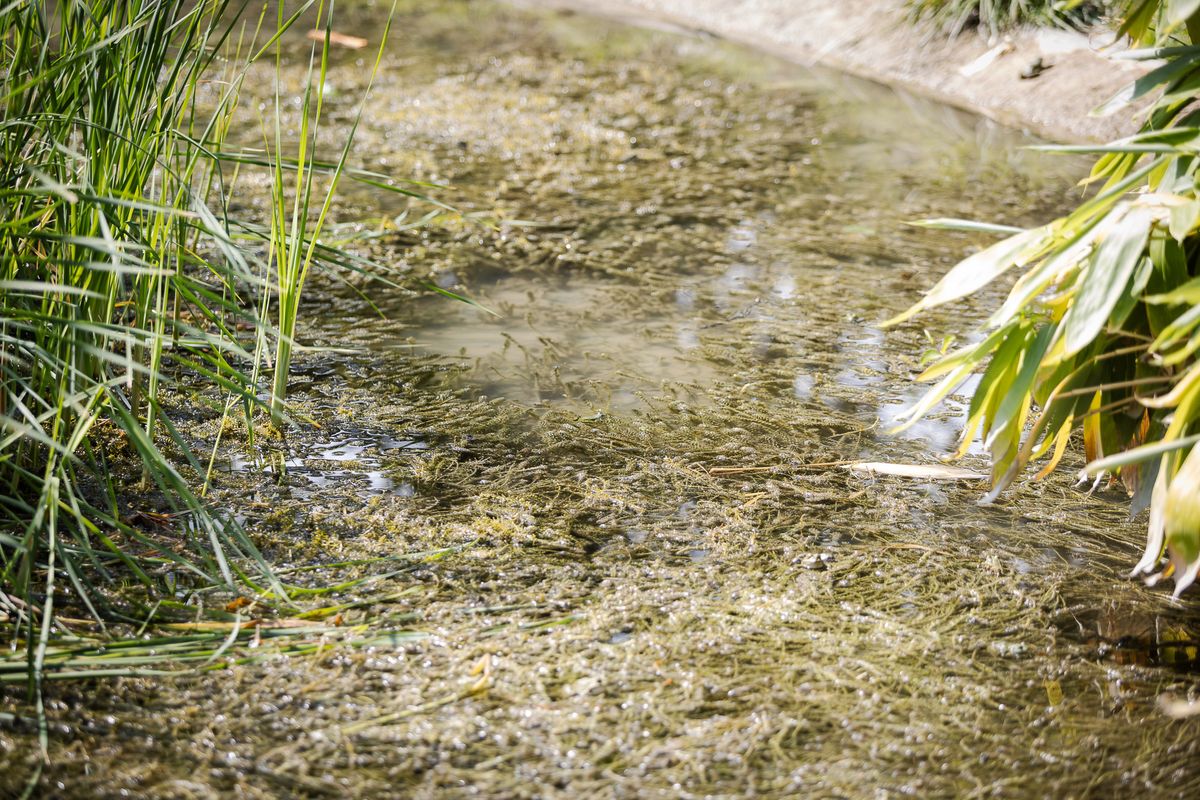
point(653, 577)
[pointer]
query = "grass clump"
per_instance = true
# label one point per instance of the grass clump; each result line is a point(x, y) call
point(106, 176)
point(1102, 328)
point(994, 16)
point(123, 269)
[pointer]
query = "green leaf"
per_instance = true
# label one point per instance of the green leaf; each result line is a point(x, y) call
point(971, 355)
point(1181, 326)
point(1167, 141)
point(1155, 53)
point(1188, 293)
point(1154, 529)
point(1130, 299)
point(1139, 19)
point(1144, 85)
point(1007, 422)
point(1106, 279)
point(977, 271)
point(1067, 255)
point(972, 226)
point(931, 398)
point(1139, 454)
point(1181, 517)
point(1184, 218)
point(1019, 358)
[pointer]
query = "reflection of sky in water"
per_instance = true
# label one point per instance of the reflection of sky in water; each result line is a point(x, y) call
point(942, 431)
point(785, 286)
point(731, 289)
point(741, 238)
point(688, 337)
point(590, 340)
point(579, 339)
point(357, 452)
point(861, 349)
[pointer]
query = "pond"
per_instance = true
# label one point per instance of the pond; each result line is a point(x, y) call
point(632, 561)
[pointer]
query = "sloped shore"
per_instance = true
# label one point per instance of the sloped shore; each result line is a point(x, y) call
point(873, 39)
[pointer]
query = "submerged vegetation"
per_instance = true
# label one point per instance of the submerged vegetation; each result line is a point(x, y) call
point(607, 543)
point(1101, 330)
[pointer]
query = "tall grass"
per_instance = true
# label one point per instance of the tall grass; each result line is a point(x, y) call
point(104, 178)
point(121, 268)
point(1101, 331)
point(994, 16)
point(294, 240)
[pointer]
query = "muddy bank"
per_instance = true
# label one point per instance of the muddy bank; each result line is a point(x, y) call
point(873, 39)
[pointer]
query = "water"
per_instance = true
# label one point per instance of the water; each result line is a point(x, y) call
point(655, 577)
point(743, 224)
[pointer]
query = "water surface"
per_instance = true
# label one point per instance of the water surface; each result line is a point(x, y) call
point(668, 584)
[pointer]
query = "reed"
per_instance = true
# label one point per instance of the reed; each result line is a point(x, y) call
point(299, 210)
point(122, 269)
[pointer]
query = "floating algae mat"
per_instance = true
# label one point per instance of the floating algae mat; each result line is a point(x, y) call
point(634, 566)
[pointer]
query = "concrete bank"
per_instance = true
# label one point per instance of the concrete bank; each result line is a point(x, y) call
point(874, 40)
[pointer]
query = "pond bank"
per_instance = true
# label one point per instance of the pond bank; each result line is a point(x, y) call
point(872, 39)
